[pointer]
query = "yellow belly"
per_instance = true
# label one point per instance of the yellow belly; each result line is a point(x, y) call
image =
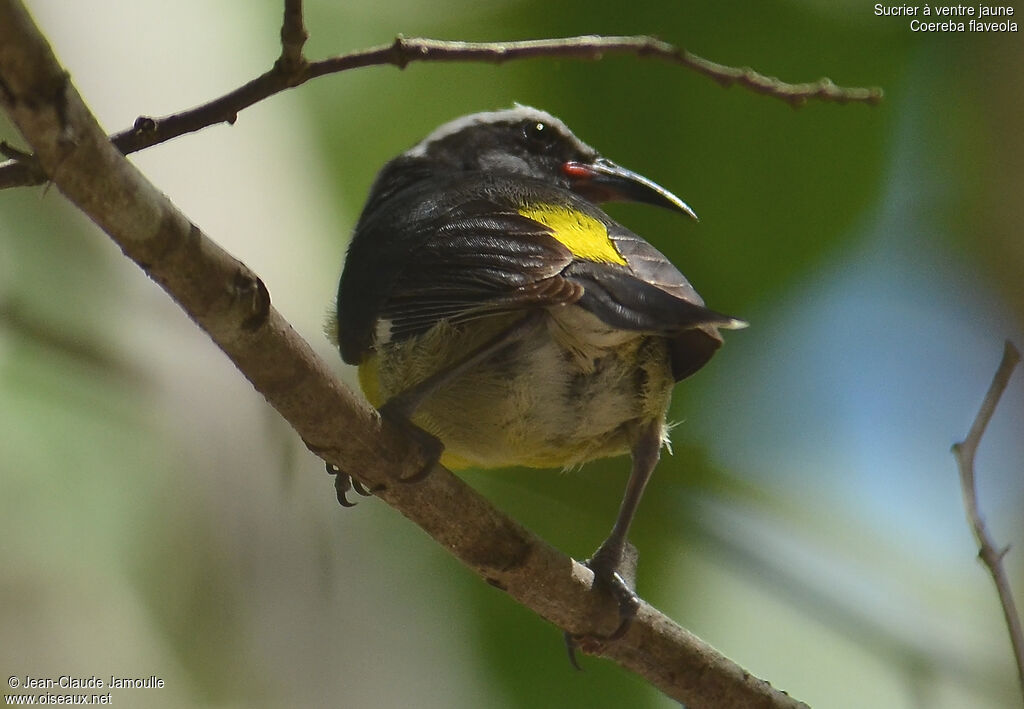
point(571, 392)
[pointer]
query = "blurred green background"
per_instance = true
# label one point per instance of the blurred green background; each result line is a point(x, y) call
point(156, 517)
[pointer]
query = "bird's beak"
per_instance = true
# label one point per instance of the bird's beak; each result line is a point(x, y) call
point(604, 181)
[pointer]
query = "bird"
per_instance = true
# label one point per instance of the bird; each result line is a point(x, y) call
point(493, 308)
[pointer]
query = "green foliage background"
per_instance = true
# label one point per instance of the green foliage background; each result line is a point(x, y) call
point(157, 518)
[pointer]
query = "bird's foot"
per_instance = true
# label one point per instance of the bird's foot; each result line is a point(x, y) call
point(614, 568)
point(345, 483)
point(397, 412)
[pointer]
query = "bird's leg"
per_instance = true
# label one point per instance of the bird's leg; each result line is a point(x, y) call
point(607, 561)
point(400, 408)
point(614, 562)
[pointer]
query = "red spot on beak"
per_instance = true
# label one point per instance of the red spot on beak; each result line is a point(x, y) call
point(577, 171)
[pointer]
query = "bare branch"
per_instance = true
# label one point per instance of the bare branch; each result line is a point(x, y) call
point(289, 72)
point(231, 304)
point(988, 552)
point(293, 38)
point(591, 47)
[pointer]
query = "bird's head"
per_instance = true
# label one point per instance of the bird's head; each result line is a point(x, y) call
point(529, 142)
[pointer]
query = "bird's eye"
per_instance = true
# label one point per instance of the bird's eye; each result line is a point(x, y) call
point(538, 133)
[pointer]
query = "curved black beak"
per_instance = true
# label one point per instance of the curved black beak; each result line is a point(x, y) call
point(604, 181)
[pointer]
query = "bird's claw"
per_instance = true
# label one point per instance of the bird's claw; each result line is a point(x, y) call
point(343, 483)
point(396, 412)
point(617, 576)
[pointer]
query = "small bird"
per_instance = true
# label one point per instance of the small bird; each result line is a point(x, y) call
point(488, 300)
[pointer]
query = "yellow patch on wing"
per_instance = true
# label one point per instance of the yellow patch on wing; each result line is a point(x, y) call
point(585, 237)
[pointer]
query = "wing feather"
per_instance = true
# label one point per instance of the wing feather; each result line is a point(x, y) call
point(459, 250)
point(478, 259)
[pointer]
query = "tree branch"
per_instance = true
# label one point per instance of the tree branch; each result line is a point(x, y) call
point(291, 70)
point(293, 38)
point(988, 552)
point(231, 304)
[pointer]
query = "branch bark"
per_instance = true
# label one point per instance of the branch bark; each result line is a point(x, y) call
point(988, 552)
point(232, 305)
point(293, 38)
point(292, 70)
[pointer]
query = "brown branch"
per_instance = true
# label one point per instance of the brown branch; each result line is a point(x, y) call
point(592, 47)
point(292, 70)
point(231, 304)
point(293, 38)
point(988, 552)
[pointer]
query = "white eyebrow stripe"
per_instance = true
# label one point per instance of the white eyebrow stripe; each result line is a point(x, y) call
point(506, 115)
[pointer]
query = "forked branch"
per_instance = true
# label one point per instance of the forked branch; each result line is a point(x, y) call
point(292, 69)
point(989, 553)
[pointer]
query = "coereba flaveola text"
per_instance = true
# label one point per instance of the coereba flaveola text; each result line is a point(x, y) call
point(487, 299)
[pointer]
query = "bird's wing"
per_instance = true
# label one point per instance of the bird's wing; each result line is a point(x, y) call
point(466, 256)
point(646, 292)
point(474, 260)
point(691, 328)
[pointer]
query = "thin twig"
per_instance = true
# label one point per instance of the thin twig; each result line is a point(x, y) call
point(293, 38)
point(990, 554)
point(591, 47)
point(292, 70)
